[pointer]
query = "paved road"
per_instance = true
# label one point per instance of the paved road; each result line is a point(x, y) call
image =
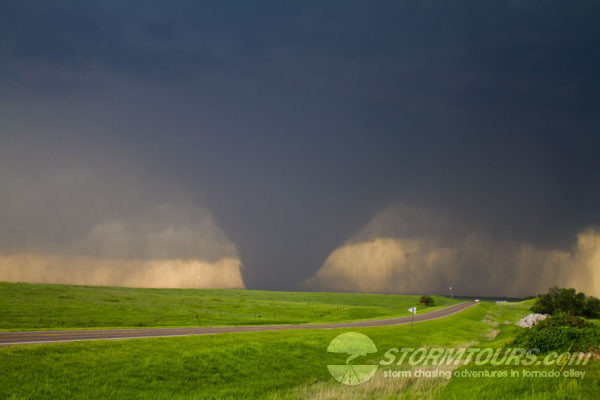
point(32, 337)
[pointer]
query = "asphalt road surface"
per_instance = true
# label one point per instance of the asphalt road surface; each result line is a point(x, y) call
point(32, 337)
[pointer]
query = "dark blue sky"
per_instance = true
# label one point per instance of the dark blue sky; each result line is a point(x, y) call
point(295, 123)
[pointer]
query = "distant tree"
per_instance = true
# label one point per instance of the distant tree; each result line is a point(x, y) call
point(545, 302)
point(426, 300)
point(561, 300)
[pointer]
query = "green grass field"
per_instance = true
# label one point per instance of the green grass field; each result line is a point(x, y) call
point(25, 306)
point(273, 365)
point(266, 365)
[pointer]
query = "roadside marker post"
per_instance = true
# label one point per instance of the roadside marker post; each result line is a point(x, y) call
point(412, 311)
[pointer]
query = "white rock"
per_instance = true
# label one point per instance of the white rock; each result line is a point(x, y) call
point(531, 320)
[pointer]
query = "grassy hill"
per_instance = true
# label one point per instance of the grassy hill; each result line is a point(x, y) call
point(25, 306)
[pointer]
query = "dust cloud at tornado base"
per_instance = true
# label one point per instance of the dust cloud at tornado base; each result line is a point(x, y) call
point(78, 226)
point(85, 227)
point(410, 250)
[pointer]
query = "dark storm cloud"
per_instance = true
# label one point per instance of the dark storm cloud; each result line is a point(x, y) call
point(297, 123)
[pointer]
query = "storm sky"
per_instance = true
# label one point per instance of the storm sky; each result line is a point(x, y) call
point(385, 146)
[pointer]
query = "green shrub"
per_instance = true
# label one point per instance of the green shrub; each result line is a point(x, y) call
point(591, 308)
point(560, 333)
point(426, 300)
point(559, 320)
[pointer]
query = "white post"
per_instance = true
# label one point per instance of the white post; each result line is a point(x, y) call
point(413, 311)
